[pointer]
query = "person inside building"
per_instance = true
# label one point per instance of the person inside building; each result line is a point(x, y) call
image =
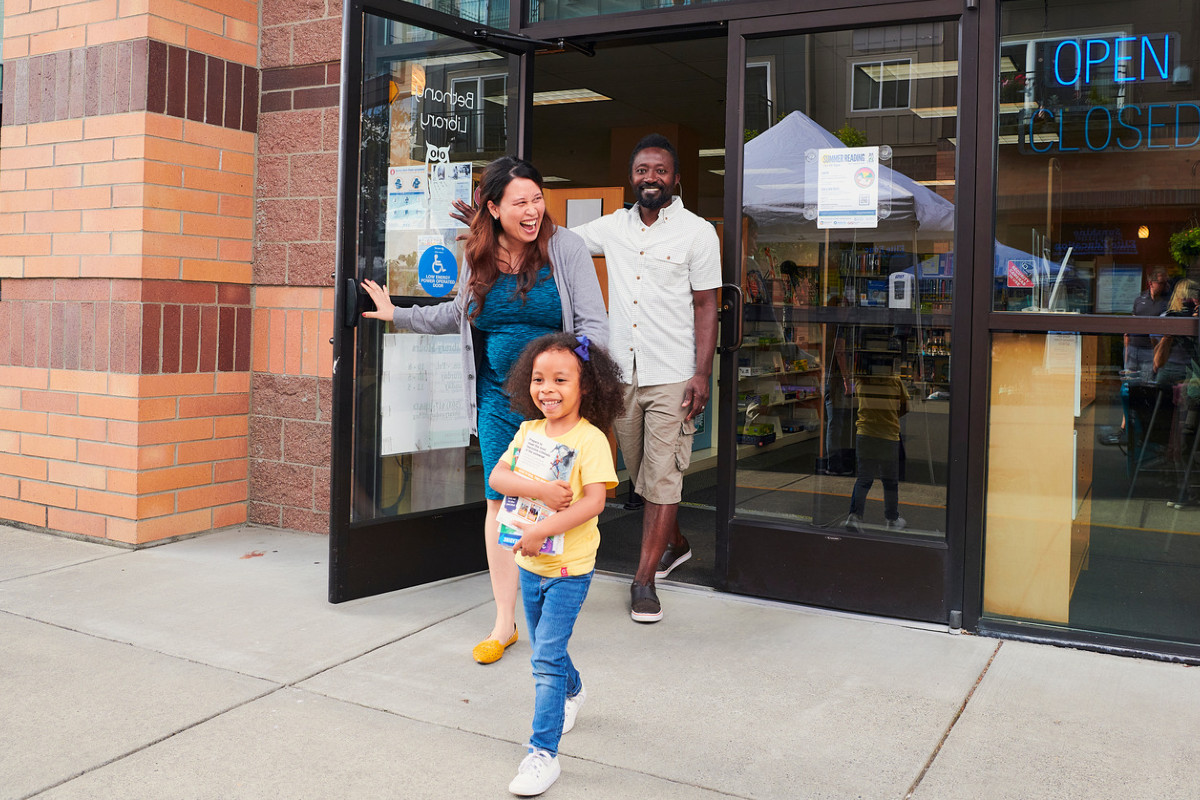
point(524, 277)
point(664, 268)
point(1139, 349)
point(882, 401)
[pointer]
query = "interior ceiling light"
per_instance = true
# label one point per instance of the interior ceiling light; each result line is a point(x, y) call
point(567, 96)
point(938, 182)
point(910, 72)
point(554, 179)
point(713, 153)
point(460, 58)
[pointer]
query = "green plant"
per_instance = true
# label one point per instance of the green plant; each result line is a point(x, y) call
point(1185, 246)
point(851, 136)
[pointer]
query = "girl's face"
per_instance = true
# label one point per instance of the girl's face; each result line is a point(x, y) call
point(555, 385)
point(520, 212)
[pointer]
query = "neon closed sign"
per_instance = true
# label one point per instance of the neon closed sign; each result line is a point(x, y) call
point(1091, 66)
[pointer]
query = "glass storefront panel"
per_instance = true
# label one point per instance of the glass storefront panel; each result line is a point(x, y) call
point(487, 12)
point(848, 273)
point(1099, 131)
point(434, 113)
point(1092, 519)
point(542, 10)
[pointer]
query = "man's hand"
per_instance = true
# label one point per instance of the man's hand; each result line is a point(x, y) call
point(695, 396)
point(466, 213)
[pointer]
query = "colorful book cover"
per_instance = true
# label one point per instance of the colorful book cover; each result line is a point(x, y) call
point(541, 459)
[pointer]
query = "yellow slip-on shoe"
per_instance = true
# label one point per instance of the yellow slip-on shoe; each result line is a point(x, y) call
point(489, 651)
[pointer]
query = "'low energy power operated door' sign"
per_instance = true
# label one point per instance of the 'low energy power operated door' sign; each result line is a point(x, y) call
point(437, 270)
point(848, 187)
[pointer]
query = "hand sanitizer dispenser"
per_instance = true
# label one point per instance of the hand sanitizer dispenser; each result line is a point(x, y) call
point(900, 290)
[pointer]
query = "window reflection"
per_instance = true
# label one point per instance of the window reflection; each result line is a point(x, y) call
point(844, 374)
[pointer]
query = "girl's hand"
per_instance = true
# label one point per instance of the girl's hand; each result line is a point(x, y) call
point(530, 543)
point(383, 302)
point(556, 495)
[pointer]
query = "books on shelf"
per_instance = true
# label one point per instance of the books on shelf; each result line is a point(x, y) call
point(540, 459)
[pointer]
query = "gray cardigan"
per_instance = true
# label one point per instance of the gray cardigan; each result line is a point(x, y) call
point(582, 307)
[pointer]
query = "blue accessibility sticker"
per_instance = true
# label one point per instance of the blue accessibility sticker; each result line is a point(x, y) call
point(437, 271)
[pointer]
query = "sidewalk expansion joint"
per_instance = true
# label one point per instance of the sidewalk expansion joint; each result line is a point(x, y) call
point(957, 715)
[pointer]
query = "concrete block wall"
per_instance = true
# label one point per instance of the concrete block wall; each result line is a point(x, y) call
point(127, 174)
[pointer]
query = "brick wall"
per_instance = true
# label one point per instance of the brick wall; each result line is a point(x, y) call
point(294, 258)
point(125, 264)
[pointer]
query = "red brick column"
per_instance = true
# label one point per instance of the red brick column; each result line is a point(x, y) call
point(127, 162)
point(294, 258)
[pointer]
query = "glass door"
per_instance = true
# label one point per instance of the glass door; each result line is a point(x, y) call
point(428, 107)
point(844, 378)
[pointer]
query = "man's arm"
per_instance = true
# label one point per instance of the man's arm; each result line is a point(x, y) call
point(704, 311)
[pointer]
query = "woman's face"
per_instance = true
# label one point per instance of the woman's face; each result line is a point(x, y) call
point(520, 212)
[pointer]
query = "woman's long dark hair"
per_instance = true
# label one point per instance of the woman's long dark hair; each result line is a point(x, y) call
point(603, 399)
point(483, 243)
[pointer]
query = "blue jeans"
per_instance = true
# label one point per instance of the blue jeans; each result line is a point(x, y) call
point(551, 607)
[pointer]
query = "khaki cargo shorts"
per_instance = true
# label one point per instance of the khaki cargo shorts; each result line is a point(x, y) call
point(655, 441)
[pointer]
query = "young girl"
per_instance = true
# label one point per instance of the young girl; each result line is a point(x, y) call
point(574, 386)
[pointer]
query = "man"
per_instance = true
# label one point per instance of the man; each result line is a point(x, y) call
point(664, 268)
point(1139, 351)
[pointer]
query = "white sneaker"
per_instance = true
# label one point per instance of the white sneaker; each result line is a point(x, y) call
point(537, 773)
point(897, 524)
point(854, 523)
point(571, 709)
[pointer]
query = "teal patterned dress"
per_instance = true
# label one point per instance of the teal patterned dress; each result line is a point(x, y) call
point(505, 325)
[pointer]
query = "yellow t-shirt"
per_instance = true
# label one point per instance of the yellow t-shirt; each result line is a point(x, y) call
point(593, 464)
point(880, 399)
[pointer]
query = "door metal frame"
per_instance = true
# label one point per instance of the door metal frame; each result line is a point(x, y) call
point(780, 552)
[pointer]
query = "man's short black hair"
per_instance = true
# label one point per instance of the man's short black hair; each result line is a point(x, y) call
point(656, 140)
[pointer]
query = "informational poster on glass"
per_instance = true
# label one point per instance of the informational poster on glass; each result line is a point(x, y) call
point(848, 187)
point(1117, 288)
point(423, 401)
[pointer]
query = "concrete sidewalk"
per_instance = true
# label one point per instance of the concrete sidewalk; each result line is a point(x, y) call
point(214, 668)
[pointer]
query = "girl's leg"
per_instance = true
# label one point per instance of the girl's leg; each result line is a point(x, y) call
point(555, 677)
point(502, 568)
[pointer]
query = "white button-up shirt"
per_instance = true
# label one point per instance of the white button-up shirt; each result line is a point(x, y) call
point(652, 272)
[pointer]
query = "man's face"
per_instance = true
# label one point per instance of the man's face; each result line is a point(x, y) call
point(653, 178)
point(1158, 284)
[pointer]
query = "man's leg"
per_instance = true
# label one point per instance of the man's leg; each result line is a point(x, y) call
point(660, 527)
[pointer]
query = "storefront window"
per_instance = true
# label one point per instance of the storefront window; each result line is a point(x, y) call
point(1099, 136)
point(848, 274)
point(541, 10)
point(1093, 482)
point(1092, 485)
point(487, 12)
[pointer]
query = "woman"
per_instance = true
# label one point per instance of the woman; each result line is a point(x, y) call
point(524, 277)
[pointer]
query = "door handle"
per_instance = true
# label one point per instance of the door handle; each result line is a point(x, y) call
point(731, 311)
point(350, 303)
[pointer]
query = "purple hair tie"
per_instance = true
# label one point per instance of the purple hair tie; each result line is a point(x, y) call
point(582, 350)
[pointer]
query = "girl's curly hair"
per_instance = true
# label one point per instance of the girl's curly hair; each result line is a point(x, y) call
point(600, 380)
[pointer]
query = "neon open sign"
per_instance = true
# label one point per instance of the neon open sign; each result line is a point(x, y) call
point(1106, 62)
point(1122, 59)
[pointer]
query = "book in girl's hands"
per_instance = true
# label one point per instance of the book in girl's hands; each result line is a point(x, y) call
point(540, 459)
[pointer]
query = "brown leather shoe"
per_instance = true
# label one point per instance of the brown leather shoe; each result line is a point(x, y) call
point(644, 605)
point(672, 557)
